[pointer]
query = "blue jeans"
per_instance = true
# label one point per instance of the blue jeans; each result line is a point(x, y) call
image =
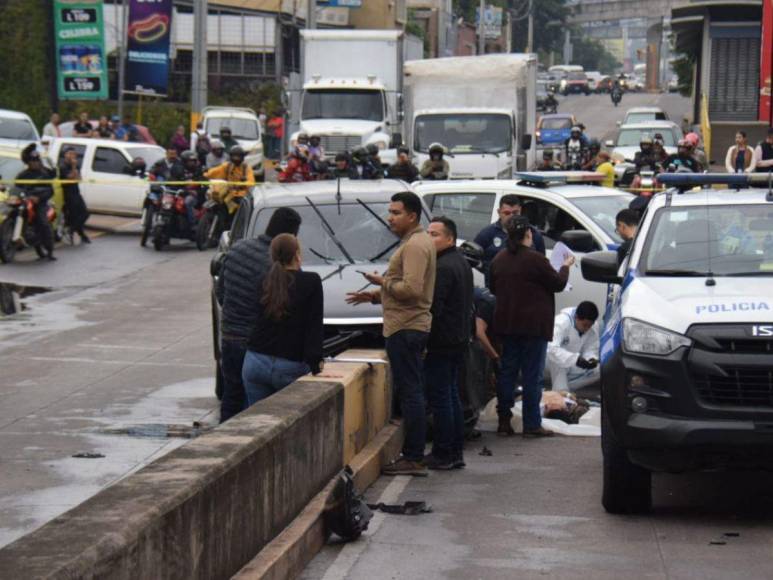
point(264, 375)
point(190, 204)
point(526, 355)
point(234, 400)
point(404, 349)
point(441, 373)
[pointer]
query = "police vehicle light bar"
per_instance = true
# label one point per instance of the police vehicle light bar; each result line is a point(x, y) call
point(699, 179)
point(562, 177)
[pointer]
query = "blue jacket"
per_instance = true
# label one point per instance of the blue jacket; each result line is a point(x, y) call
point(493, 238)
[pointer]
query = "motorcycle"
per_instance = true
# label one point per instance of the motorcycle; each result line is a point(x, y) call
point(150, 205)
point(18, 216)
point(574, 157)
point(215, 218)
point(617, 96)
point(171, 219)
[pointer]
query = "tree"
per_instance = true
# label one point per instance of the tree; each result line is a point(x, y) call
point(26, 80)
point(593, 55)
point(549, 20)
point(683, 67)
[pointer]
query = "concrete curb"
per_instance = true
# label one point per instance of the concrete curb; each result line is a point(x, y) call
point(289, 553)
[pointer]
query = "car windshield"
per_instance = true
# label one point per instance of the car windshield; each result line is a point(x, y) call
point(644, 117)
point(343, 104)
point(17, 129)
point(474, 133)
point(10, 167)
point(363, 236)
point(603, 210)
point(149, 154)
point(576, 76)
point(246, 129)
point(553, 123)
point(632, 137)
point(726, 240)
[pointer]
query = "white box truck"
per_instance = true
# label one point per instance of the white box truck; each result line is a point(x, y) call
point(352, 89)
point(482, 109)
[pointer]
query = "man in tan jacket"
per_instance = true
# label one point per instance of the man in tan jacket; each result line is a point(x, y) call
point(405, 292)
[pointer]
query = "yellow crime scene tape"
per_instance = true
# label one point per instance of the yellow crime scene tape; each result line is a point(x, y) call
point(56, 181)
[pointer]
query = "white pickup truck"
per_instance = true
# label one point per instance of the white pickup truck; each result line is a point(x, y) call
point(108, 184)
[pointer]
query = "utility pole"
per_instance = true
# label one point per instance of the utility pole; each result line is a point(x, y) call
point(481, 29)
point(311, 18)
point(199, 84)
point(122, 57)
point(530, 37)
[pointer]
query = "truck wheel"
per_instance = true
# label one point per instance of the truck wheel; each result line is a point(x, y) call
point(627, 487)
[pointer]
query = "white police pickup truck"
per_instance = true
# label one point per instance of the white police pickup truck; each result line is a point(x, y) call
point(687, 344)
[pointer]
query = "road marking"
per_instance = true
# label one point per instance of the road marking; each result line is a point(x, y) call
point(80, 360)
point(351, 552)
point(116, 346)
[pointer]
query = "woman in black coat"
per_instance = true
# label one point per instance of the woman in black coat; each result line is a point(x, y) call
point(75, 211)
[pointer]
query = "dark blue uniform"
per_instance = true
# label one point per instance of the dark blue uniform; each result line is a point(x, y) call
point(493, 238)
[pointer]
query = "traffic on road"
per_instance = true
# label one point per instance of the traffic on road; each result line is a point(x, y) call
point(548, 253)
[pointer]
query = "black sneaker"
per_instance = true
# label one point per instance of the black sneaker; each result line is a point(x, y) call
point(536, 433)
point(459, 463)
point(404, 466)
point(438, 464)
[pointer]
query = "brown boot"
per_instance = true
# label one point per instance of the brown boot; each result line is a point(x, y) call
point(505, 429)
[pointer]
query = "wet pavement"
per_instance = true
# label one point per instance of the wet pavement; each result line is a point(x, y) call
point(532, 509)
point(107, 371)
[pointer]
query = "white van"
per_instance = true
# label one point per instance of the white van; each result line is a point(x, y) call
point(245, 129)
point(108, 185)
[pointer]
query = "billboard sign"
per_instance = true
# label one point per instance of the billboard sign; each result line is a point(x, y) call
point(148, 37)
point(81, 67)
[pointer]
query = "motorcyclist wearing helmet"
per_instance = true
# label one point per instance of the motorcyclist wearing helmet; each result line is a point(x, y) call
point(645, 159)
point(239, 175)
point(659, 147)
point(364, 161)
point(316, 152)
point(376, 167)
point(39, 195)
point(682, 160)
point(548, 162)
point(403, 168)
point(696, 151)
point(435, 167)
point(298, 167)
point(575, 150)
point(195, 193)
point(344, 168)
point(217, 155)
point(593, 160)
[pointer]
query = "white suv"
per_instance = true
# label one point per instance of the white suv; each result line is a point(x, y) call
point(245, 129)
point(687, 345)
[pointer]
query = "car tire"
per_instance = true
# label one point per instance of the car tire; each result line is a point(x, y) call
point(627, 487)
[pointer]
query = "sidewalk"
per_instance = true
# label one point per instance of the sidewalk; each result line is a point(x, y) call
point(532, 510)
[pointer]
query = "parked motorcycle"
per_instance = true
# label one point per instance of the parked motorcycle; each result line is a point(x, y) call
point(18, 216)
point(170, 220)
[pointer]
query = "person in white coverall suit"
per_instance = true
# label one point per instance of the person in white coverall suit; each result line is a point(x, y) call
point(572, 360)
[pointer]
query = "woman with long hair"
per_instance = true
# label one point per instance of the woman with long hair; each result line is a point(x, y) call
point(287, 341)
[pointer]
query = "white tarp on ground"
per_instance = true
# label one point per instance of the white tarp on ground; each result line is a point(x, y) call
point(589, 425)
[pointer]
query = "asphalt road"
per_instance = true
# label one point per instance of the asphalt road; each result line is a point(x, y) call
point(104, 363)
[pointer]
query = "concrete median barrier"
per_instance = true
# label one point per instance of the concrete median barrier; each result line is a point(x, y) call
point(206, 509)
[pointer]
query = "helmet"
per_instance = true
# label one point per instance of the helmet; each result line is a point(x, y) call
point(547, 154)
point(359, 154)
point(217, 144)
point(436, 148)
point(372, 149)
point(187, 156)
point(692, 139)
point(314, 140)
point(403, 149)
point(683, 143)
point(576, 129)
point(236, 151)
point(645, 140)
point(303, 138)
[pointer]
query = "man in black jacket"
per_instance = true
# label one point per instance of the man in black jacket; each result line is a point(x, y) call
point(239, 290)
point(452, 323)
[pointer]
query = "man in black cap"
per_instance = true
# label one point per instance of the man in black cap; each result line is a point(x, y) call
point(403, 168)
point(238, 290)
point(39, 194)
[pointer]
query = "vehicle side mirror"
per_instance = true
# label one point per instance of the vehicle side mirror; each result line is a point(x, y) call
point(609, 143)
point(216, 265)
point(396, 140)
point(600, 267)
point(578, 241)
point(526, 142)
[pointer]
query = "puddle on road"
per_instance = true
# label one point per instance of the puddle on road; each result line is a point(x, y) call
point(160, 430)
point(12, 297)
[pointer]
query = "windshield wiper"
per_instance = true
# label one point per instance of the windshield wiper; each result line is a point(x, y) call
point(328, 228)
point(321, 256)
point(384, 252)
point(744, 274)
point(386, 225)
point(676, 272)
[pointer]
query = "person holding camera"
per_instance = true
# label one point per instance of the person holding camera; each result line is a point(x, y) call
point(573, 354)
